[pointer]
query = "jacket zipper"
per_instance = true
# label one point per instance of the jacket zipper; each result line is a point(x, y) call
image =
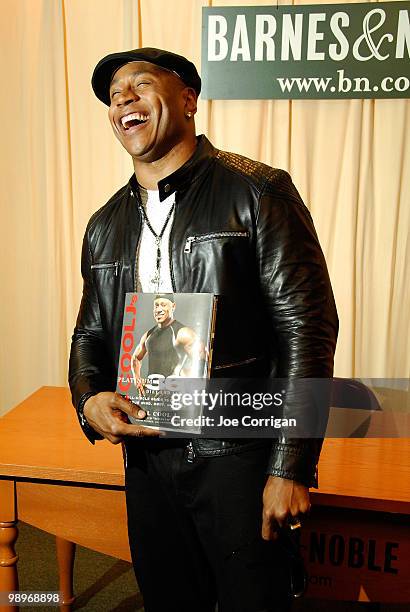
point(212, 236)
point(135, 279)
point(190, 452)
point(237, 363)
point(171, 268)
point(103, 266)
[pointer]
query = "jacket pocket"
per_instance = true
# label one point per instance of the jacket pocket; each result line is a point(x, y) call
point(191, 240)
point(107, 266)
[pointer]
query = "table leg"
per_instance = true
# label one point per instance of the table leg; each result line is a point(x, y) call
point(8, 537)
point(65, 558)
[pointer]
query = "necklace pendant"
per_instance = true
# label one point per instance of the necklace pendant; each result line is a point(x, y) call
point(155, 280)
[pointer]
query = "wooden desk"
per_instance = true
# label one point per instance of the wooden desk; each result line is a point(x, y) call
point(53, 478)
point(357, 539)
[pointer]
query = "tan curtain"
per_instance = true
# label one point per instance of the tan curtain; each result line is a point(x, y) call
point(60, 162)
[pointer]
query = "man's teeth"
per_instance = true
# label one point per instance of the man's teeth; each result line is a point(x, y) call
point(128, 119)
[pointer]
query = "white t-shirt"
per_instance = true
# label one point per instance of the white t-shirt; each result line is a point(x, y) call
point(157, 213)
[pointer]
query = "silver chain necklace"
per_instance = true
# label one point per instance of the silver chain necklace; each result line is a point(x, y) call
point(158, 239)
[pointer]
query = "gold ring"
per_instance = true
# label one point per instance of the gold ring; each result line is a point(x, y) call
point(296, 525)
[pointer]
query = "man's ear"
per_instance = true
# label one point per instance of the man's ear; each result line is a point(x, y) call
point(190, 97)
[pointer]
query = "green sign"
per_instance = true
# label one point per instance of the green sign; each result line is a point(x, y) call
point(316, 51)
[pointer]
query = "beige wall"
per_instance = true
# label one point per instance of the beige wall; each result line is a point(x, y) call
point(60, 162)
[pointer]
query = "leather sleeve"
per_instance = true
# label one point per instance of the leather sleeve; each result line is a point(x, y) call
point(86, 367)
point(297, 293)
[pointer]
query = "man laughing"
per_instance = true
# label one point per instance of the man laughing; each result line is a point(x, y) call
point(204, 514)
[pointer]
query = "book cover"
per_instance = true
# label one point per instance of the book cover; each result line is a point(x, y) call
point(166, 349)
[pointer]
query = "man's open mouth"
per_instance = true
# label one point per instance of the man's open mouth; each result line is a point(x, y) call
point(133, 119)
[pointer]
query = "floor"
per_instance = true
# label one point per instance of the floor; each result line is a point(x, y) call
point(105, 584)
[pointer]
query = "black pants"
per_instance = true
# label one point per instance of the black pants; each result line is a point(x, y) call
point(194, 531)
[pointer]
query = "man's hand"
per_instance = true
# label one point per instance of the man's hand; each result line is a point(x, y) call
point(106, 413)
point(282, 499)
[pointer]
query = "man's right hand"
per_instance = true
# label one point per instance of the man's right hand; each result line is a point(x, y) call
point(106, 413)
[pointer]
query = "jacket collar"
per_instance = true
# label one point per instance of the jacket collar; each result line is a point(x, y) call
point(203, 156)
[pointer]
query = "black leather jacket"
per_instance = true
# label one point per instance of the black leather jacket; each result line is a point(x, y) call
point(242, 232)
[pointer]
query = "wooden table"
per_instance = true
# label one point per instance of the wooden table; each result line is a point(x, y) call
point(53, 478)
point(357, 539)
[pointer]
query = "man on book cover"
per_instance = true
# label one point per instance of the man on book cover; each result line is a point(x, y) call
point(206, 517)
point(172, 349)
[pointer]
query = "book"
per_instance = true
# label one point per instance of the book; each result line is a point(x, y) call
point(166, 351)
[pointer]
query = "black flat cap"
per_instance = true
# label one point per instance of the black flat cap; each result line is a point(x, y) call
point(106, 67)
